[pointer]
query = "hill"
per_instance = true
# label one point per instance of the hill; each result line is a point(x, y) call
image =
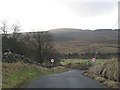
point(70, 40)
point(66, 34)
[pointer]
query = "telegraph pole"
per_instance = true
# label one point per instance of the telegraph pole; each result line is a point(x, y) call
point(94, 50)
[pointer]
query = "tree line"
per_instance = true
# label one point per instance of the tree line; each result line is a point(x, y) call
point(37, 46)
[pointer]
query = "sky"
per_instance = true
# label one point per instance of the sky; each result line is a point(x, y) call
point(41, 15)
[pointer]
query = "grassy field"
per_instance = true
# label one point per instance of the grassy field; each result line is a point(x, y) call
point(17, 74)
point(81, 63)
point(78, 47)
point(67, 61)
point(87, 61)
point(100, 61)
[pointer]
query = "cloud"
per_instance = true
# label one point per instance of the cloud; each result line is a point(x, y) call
point(50, 14)
point(90, 9)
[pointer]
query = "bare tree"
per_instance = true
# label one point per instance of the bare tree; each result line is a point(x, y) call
point(43, 42)
point(4, 28)
point(15, 29)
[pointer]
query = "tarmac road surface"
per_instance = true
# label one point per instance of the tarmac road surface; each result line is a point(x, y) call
point(69, 79)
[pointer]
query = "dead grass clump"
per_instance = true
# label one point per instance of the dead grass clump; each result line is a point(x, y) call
point(106, 73)
point(111, 84)
point(108, 70)
point(100, 79)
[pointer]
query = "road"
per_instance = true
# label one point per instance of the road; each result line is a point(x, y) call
point(69, 79)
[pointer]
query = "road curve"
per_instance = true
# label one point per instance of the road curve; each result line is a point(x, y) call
point(69, 79)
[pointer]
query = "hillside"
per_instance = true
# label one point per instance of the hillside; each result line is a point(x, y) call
point(69, 40)
point(66, 34)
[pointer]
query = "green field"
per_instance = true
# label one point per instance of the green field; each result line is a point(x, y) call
point(80, 63)
point(67, 61)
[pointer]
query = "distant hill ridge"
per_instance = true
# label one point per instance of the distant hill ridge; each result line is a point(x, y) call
point(72, 34)
point(68, 34)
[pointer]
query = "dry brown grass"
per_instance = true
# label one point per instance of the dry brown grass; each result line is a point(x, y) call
point(108, 70)
point(106, 73)
point(78, 47)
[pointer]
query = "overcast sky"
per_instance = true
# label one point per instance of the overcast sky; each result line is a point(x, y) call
point(51, 14)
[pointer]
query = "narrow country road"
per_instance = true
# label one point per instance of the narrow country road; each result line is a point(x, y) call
point(70, 79)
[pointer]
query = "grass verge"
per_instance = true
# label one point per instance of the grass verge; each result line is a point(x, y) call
point(15, 75)
point(106, 73)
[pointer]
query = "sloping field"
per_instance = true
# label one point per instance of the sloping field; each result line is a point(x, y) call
point(79, 47)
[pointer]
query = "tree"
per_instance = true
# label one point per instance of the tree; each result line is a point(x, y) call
point(15, 29)
point(4, 28)
point(10, 42)
point(44, 45)
point(19, 45)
